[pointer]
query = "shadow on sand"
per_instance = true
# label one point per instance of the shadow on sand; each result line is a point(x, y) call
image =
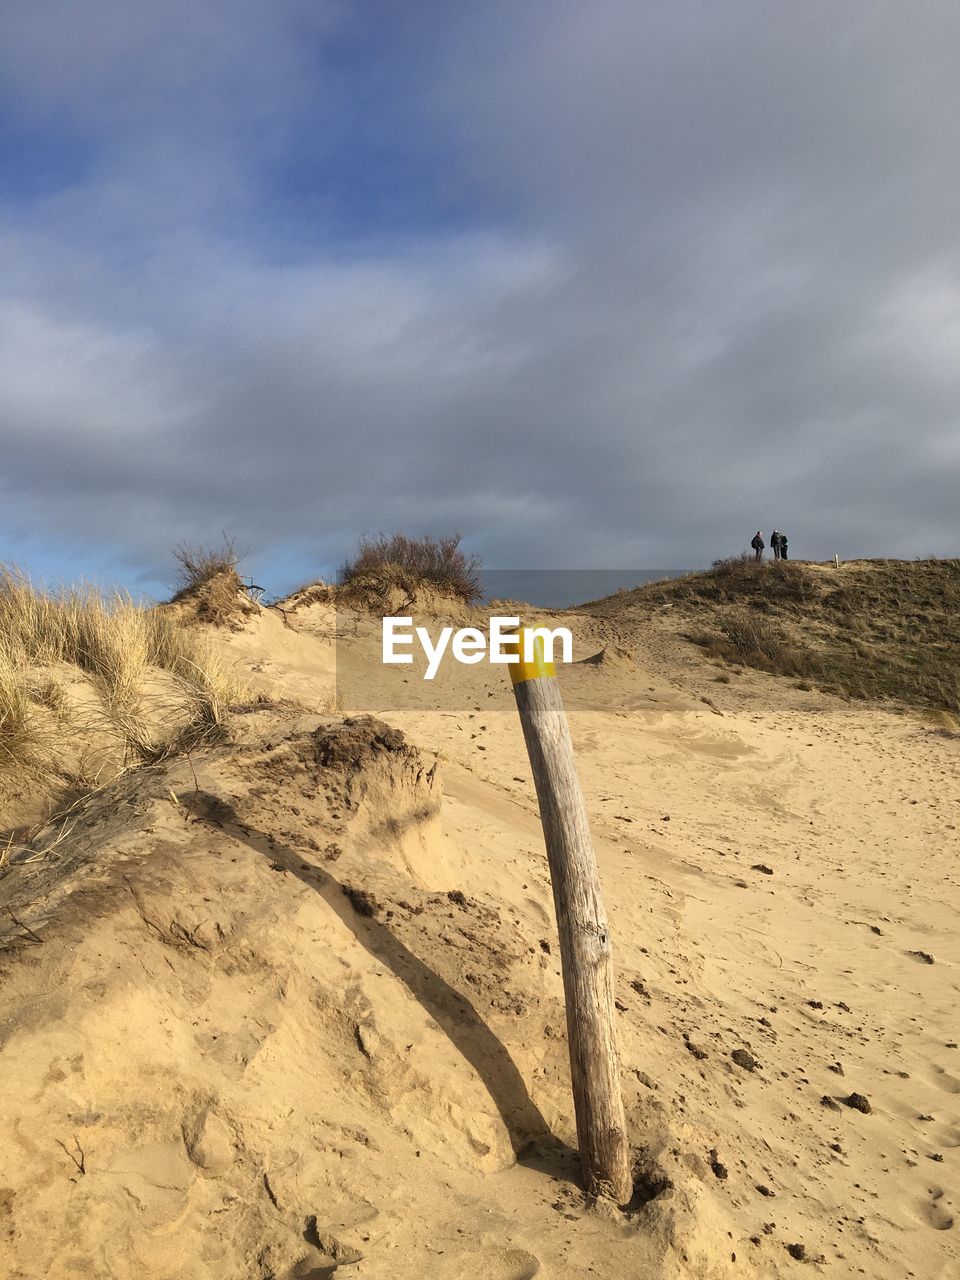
point(533, 1143)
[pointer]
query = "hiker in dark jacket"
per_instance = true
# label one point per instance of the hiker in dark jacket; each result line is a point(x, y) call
point(775, 544)
point(758, 544)
point(783, 546)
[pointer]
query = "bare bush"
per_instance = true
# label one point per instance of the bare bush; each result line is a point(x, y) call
point(401, 561)
point(198, 565)
point(747, 637)
point(211, 585)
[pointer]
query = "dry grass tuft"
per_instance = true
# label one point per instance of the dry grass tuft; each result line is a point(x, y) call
point(25, 739)
point(122, 649)
point(210, 584)
point(740, 578)
point(384, 564)
point(317, 592)
point(221, 601)
point(747, 637)
point(198, 565)
point(944, 722)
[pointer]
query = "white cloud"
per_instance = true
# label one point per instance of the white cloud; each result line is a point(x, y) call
point(678, 271)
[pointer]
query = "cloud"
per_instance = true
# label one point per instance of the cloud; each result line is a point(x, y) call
point(606, 286)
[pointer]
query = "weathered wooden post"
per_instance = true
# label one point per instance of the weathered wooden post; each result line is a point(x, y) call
point(586, 957)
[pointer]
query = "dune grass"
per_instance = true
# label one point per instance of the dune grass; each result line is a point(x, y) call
point(872, 629)
point(747, 637)
point(25, 739)
point(120, 647)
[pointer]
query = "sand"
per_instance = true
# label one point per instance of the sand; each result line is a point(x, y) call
point(293, 1007)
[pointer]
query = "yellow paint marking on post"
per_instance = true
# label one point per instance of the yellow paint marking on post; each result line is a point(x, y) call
point(538, 667)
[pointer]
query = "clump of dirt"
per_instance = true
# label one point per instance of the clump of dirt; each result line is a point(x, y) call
point(858, 1102)
point(375, 785)
point(356, 742)
point(363, 902)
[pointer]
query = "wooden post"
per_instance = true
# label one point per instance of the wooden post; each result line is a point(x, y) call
point(586, 957)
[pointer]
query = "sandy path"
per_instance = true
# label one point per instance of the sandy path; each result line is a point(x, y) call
point(816, 965)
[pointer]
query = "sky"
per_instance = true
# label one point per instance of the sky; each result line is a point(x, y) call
point(604, 285)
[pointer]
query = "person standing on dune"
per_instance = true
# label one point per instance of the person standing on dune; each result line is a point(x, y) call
point(775, 544)
point(758, 544)
point(783, 546)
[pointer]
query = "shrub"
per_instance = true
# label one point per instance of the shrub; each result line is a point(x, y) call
point(746, 636)
point(730, 566)
point(198, 565)
point(384, 562)
point(210, 584)
point(751, 636)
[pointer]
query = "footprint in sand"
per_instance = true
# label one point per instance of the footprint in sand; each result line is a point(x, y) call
point(949, 1136)
point(498, 1264)
point(539, 910)
point(934, 1212)
point(945, 1081)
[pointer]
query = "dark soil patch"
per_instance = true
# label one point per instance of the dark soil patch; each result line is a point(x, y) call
point(858, 1102)
point(362, 901)
point(356, 742)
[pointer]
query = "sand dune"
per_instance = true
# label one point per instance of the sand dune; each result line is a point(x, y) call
point(292, 1007)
